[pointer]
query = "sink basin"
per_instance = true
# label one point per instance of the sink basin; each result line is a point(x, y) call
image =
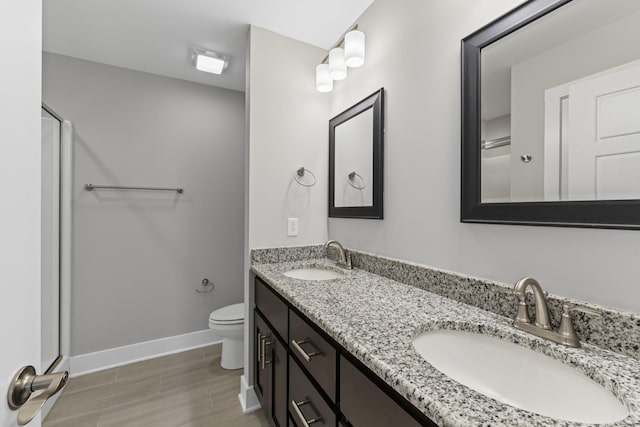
point(518, 376)
point(313, 274)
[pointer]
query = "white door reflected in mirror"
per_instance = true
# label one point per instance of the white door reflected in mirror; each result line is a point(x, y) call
point(564, 90)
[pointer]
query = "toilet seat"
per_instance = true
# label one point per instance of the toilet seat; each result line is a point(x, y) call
point(229, 315)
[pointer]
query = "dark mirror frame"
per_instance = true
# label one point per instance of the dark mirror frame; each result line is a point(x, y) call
point(375, 101)
point(623, 214)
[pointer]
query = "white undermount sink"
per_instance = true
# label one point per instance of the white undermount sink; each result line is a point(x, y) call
point(313, 273)
point(518, 376)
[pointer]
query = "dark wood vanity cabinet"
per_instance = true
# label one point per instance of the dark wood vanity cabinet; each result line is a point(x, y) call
point(303, 377)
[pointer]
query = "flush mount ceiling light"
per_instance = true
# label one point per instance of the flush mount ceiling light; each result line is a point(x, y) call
point(348, 52)
point(209, 61)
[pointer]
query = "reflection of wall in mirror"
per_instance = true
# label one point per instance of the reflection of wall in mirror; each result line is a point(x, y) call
point(604, 48)
point(495, 163)
point(354, 153)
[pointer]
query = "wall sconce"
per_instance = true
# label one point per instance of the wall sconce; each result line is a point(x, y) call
point(209, 61)
point(348, 52)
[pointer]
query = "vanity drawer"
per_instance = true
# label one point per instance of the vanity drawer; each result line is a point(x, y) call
point(313, 352)
point(273, 308)
point(364, 404)
point(305, 401)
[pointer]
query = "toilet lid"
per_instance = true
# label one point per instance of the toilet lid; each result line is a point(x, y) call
point(229, 313)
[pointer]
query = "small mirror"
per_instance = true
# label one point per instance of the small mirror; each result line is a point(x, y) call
point(355, 160)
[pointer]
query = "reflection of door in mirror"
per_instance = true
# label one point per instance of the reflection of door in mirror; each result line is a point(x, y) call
point(575, 46)
point(592, 137)
point(50, 251)
point(354, 153)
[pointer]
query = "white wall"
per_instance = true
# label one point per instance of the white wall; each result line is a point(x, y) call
point(287, 122)
point(288, 129)
point(138, 257)
point(413, 50)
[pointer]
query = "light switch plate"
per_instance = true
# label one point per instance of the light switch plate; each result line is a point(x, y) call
point(292, 226)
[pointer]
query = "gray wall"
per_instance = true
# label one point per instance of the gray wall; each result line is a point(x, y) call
point(139, 256)
point(413, 50)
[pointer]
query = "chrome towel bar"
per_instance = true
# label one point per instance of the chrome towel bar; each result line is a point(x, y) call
point(91, 187)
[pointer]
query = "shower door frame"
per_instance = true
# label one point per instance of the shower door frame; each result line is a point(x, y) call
point(62, 362)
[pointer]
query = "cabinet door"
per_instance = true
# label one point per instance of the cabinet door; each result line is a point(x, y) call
point(262, 333)
point(271, 373)
point(366, 405)
point(277, 354)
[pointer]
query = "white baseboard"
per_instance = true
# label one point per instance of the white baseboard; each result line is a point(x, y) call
point(105, 359)
point(248, 398)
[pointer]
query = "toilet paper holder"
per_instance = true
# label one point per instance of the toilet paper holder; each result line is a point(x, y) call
point(207, 286)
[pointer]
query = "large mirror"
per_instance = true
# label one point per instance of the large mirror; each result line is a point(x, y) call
point(355, 160)
point(551, 116)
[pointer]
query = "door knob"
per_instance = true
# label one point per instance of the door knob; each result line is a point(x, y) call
point(24, 383)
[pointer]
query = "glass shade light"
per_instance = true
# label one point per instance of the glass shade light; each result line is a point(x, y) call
point(337, 65)
point(210, 62)
point(354, 48)
point(324, 82)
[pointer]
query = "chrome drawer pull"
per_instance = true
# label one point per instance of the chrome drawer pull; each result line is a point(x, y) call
point(296, 408)
point(304, 354)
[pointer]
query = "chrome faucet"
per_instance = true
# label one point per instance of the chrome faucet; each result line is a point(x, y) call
point(345, 257)
point(565, 334)
point(542, 312)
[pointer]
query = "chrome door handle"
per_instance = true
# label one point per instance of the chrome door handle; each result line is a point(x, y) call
point(307, 356)
point(24, 383)
point(259, 348)
point(263, 357)
point(265, 362)
point(296, 408)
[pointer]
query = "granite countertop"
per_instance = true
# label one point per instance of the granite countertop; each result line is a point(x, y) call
point(376, 319)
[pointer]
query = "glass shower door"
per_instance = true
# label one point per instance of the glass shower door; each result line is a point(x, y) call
point(50, 208)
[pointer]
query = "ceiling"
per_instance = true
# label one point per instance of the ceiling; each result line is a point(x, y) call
point(156, 36)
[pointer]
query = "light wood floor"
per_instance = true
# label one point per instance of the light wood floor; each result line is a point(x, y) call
point(181, 390)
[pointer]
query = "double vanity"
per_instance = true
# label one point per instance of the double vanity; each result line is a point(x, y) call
point(337, 346)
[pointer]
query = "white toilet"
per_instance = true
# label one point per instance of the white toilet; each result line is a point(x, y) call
point(228, 323)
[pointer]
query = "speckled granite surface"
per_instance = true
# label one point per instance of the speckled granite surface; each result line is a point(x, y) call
point(376, 318)
point(287, 254)
point(615, 330)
